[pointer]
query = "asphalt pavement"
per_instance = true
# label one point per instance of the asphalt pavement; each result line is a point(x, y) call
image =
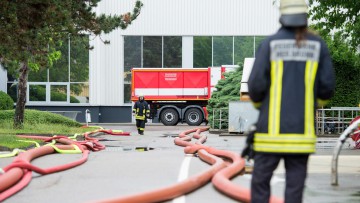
point(139, 163)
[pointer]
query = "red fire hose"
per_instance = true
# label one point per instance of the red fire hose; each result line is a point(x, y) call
point(19, 173)
point(22, 163)
point(220, 172)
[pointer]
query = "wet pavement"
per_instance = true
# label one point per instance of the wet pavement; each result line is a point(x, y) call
point(139, 163)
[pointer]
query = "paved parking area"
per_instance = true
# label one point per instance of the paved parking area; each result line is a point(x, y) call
point(133, 164)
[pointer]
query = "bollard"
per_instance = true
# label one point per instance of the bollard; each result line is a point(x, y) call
point(87, 117)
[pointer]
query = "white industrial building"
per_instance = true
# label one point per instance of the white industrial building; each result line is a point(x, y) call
point(167, 33)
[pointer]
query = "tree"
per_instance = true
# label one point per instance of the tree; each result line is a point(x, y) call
point(227, 89)
point(347, 70)
point(335, 15)
point(31, 29)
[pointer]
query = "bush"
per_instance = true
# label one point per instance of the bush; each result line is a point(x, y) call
point(227, 89)
point(6, 103)
point(35, 117)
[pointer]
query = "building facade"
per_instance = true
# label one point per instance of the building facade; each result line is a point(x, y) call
point(167, 33)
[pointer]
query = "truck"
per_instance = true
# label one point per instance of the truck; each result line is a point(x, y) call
point(177, 95)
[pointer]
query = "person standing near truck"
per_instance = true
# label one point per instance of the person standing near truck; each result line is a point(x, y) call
point(291, 76)
point(141, 112)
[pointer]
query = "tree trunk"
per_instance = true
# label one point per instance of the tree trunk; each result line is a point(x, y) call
point(21, 99)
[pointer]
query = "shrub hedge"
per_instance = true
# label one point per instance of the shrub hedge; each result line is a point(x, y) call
point(6, 103)
point(227, 89)
point(35, 117)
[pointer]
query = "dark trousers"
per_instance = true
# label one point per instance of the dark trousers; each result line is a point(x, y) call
point(265, 164)
point(140, 124)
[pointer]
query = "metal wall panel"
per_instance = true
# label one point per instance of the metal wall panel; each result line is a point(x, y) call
point(106, 71)
point(171, 18)
point(198, 17)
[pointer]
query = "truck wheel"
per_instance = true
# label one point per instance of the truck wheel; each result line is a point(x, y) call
point(194, 116)
point(169, 117)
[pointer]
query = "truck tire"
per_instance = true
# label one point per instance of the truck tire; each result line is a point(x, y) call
point(169, 117)
point(194, 117)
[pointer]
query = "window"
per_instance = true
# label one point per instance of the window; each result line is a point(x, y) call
point(222, 51)
point(172, 52)
point(152, 52)
point(79, 93)
point(149, 52)
point(59, 72)
point(65, 82)
point(202, 52)
point(132, 55)
point(58, 93)
point(243, 48)
point(37, 93)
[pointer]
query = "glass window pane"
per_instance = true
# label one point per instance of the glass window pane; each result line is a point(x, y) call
point(223, 51)
point(258, 40)
point(132, 59)
point(244, 48)
point(127, 93)
point(172, 52)
point(12, 75)
point(202, 52)
point(59, 72)
point(58, 93)
point(79, 59)
point(12, 90)
point(152, 48)
point(79, 93)
point(38, 76)
point(132, 55)
point(37, 93)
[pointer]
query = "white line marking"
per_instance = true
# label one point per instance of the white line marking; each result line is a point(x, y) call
point(183, 175)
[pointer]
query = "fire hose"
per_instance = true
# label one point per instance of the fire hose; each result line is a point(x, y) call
point(18, 174)
point(220, 173)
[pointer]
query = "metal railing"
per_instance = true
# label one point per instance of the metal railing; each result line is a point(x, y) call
point(334, 120)
point(220, 118)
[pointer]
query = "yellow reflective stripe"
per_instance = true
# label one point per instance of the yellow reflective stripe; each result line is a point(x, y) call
point(286, 148)
point(283, 138)
point(310, 74)
point(148, 111)
point(142, 129)
point(321, 102)
point(256, 104)
point(140, 117)
point(277, 68)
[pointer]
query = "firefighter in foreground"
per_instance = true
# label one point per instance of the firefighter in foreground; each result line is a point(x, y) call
point(291, 76)
point(141, 112)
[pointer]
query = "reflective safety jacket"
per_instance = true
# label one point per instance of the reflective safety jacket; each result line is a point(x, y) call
point(286, 84)
point(141, 109)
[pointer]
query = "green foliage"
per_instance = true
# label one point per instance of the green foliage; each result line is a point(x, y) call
point(6, 103)
point(35, 117)
point(28, 28)
point(342, 16)
point(227, 89)
point(347, 69)
point(31, 29)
